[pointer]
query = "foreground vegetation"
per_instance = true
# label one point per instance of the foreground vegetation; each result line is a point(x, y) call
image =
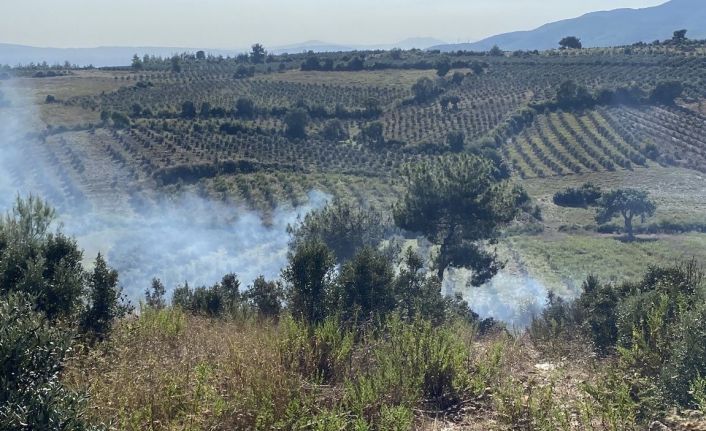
point(366, 345)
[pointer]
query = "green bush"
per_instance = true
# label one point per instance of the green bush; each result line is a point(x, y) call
point(32, 355)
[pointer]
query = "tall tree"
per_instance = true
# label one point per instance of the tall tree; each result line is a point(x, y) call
point(343, 226)
point(570, 42)
point(459, 202)
point(666, 92)
point(679, 36)
point(258, 54)
point(266, 297)
point(136, 63)
point(38, 262)
point(628, 203)
point(154, 296)
point(296, 121)
point(105, 301)
point(309, 278)
point(366, 285)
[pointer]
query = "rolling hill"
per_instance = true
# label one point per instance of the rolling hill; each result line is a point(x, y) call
point(606, 28)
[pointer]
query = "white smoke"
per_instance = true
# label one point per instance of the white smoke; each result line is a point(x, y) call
point(512, 298)
point(177, 239)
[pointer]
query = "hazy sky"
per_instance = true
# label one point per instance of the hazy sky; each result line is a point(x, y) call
point(239, 23)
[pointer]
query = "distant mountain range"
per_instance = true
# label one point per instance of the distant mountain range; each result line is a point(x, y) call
point(608, 28)
point(121, 56)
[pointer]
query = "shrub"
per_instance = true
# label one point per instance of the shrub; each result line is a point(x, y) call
point(586, 195)
point(32, 356)
point(40, 263)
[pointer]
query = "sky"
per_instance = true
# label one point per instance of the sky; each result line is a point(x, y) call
point(232, 24)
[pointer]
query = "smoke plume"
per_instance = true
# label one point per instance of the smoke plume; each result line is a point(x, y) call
point(178, 239)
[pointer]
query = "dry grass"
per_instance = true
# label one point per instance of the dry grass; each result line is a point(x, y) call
point(168, 371)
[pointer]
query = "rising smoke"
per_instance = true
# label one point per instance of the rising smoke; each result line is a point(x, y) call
point(183, 239)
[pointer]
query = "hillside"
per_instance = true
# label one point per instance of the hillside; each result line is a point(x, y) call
point(601, 29)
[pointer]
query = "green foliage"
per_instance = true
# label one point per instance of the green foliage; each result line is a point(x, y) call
point(571, 95)
point(296, 121)
point(424, 90)
point(570, 42)
point(457, 202)
point(321, 353)
point(443, 67)
point(598, 303)
point(416, 361)
point(217, 300)
point(258, 54)
point(666, 92)
point(105, 301)
point(628, 203)
point(154, 296)
point(366, 286)
point(309, 278)
point(418, 293)
point(581, 197)
point(120, 120)
point(266, 297)
point(244, 107)
point(32, 355)
point(188, 110)
point(679, 36)
point(343, 226)
point(372, 135)
point(334, 130)
point(35, 261)
point(456, 141)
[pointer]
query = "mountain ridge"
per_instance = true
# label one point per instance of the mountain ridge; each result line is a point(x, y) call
point(615, 27)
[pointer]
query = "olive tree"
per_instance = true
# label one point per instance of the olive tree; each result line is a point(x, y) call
point(628, 203)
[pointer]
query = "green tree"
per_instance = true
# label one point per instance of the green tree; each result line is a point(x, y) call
point(176, 64)
point(679, 36)
point(205, 110)
point(154, 296)
point(666, 92)
point(266, 297)
point(443, 67)
point(244, 107)
point(343, 226)
point(459, 202)
point(373, 135)
point(137, 63)
point(418, 294)
point(495, 51)
point(296, 122)
point(188, 109)
point(105, 300)
point(424, 89)
point(120, 120)
point(628, 203)
point(571, 95)
point(309, 278)
point(570, 42)
point(257, 54)
point(230, 288)
point(45, 265)
point(456, 141)
point(334, 130)
point(366, 286)
point(200, 55)
point(32, 356)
